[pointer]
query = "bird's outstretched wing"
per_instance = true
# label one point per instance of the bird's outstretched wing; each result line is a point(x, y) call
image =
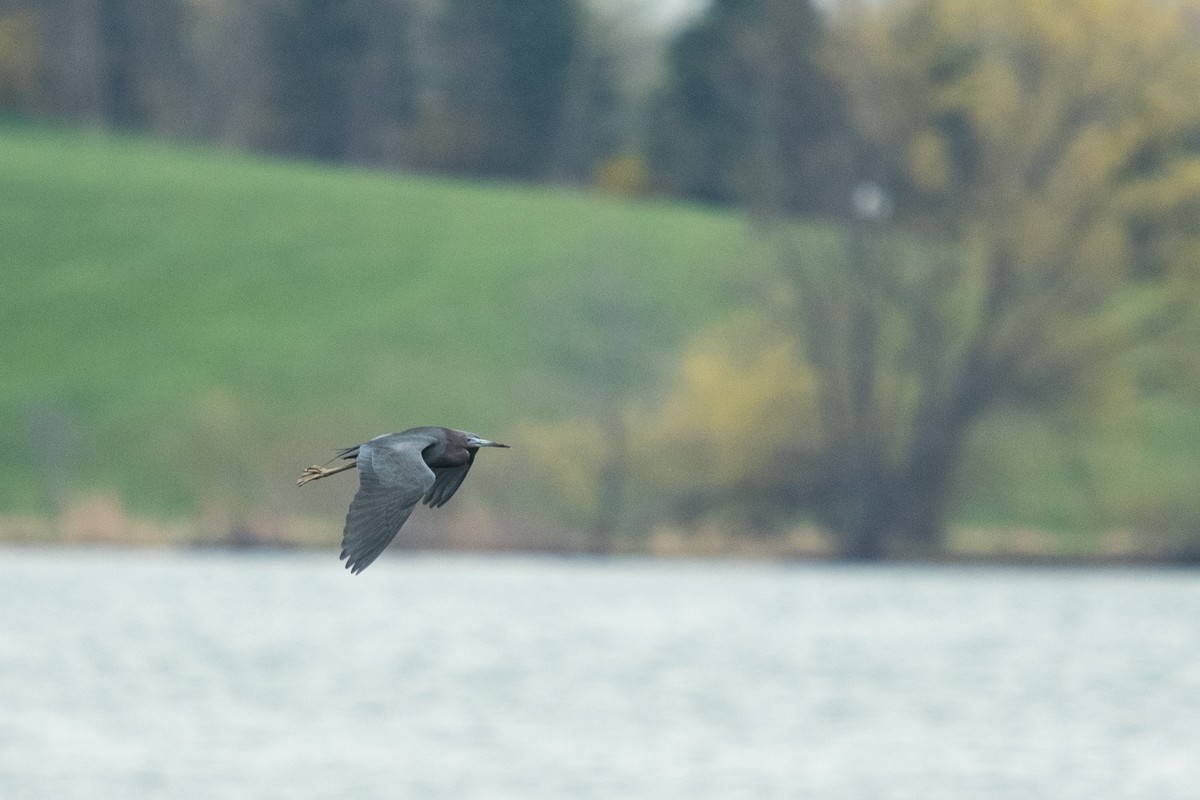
point(446, 481)
point(392, 479)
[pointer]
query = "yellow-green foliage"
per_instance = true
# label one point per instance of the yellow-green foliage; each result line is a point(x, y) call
point(1071, 120)
point(1055, 139)
point(737, 398)
point(736, 402)
point(567, 455)
point(624, 176)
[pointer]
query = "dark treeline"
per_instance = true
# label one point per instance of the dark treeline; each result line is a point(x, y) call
point(535, 90)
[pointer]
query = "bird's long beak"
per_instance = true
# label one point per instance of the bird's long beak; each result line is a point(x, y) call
point(475, 441)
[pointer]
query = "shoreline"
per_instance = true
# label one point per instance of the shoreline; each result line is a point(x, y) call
point(1003, 560)
point(101, 522)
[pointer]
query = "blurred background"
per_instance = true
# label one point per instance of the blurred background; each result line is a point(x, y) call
point(781, 288)
point(858, 280)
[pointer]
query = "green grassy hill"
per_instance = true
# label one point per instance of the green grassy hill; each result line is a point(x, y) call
point(181, 326)
point(189, 328)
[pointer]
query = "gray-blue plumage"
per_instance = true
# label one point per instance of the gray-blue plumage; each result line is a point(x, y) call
point(397, 471)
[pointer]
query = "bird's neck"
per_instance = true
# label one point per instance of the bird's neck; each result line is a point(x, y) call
point(440, 455)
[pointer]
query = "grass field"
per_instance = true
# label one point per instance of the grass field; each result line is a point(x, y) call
point(184, 327)
point(172, 314)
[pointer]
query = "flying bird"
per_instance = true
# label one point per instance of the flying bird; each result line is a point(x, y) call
point(397, 471)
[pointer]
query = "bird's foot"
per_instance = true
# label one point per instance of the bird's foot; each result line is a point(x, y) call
point(312, 473)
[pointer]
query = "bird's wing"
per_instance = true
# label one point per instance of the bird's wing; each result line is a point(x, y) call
point(392, 479)
point(446, 482)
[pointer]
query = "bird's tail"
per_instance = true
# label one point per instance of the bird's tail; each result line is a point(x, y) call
point(348, 453)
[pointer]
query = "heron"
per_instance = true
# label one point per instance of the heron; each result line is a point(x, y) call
point(397, 471)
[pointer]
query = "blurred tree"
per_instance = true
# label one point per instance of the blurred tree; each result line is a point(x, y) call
point(610, 350)
point(530, 90)
point(230, 102)
point(318, 48)
point(1053, 145)
point(747, 107)
point(384, 90)
point(54, 446)
point(116, 62)
point(499, 104)
point(1047, 153)
point(589, 121)
point(19, 59)
point(742, 402)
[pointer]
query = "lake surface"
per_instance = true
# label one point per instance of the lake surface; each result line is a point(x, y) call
point(176, 675)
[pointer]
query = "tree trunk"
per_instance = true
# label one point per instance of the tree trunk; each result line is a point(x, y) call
point(865, 537)
point(896, 512)
point(611, 483)
point(920, 514)
point(922, 503)
point(884, 510)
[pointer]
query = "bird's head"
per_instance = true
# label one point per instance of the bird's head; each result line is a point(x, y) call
point(475, 442)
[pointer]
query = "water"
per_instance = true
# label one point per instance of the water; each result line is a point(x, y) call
point(144, 675)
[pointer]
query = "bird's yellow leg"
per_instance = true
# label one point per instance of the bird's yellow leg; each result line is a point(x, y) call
point(314, 472)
